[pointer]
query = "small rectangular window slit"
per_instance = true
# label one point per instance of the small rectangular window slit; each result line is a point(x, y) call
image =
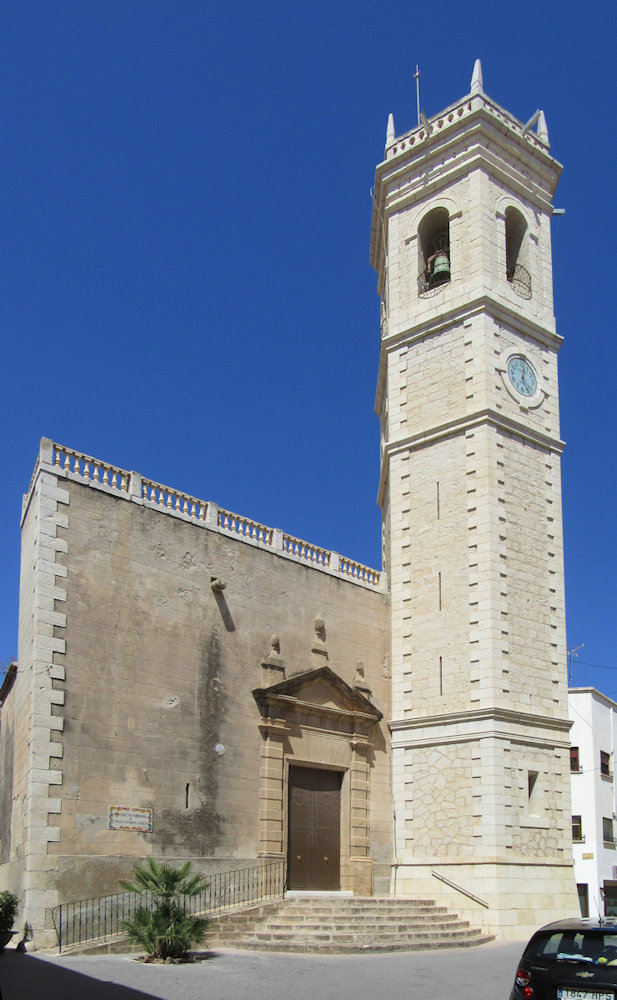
point(533, 793)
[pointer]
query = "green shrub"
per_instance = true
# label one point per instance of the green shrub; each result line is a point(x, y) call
point(165, 930)
point(9, 905)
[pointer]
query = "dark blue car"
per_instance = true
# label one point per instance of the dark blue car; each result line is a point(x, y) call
point(569, 960)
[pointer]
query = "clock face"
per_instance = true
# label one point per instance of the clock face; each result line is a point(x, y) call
point(522, 376)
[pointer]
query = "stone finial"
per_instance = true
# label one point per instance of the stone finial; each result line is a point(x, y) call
point(318, 646)
point(390, 133)
point(359, 681)
point(542, 130)
point(46, 451)
point(320, 629)
point(477, 84)
point(272, 666)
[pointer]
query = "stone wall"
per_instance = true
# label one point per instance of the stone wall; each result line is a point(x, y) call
point(152, 693)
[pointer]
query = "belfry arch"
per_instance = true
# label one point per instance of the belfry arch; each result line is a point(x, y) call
point(434, 265)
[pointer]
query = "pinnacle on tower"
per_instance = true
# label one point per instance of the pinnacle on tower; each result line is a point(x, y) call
point(476, 78)
point(542, 130)
point(390, 133)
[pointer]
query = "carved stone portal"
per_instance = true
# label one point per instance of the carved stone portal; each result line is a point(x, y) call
point(316, 720)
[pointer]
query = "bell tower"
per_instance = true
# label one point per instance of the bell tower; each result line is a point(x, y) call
point(470, 494)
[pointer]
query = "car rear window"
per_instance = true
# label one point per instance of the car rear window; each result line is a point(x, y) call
point(597, 947)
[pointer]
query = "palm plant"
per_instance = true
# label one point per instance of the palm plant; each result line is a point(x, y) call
point(165, 929)
point(9, 905)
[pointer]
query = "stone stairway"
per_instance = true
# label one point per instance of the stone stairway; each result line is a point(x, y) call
point(343, 924)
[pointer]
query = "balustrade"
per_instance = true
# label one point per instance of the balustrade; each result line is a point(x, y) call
point(244, 527)
point(356, 571)
point(93, 472)
point(304, 550)
point(90, 469)
point(173, 501)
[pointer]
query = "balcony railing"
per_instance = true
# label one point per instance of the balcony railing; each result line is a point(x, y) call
point(520, 279)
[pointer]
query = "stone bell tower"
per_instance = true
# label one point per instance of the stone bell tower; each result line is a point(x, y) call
point(470, 493)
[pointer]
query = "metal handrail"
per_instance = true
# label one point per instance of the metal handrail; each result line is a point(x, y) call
point(459, 888)
point(101, 918)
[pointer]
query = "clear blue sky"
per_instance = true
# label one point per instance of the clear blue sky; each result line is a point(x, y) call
point(186, 288)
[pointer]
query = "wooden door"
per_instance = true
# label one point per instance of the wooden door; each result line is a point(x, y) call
point(314, 828)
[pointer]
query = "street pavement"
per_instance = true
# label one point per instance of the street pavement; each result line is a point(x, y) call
point(482, 973)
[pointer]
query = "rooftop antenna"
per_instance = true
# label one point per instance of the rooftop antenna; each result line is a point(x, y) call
point(417, 79)
point(571, 653)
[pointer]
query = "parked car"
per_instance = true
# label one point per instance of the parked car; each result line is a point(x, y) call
point(569, 960)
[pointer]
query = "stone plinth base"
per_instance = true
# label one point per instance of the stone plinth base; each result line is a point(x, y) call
point(508, 899)
point(361, 872)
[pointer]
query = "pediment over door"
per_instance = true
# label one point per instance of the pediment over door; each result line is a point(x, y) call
point(314, 720)
point(318, 695)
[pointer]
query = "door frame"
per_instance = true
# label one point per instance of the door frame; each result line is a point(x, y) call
point(290, 763)
point(316, 720)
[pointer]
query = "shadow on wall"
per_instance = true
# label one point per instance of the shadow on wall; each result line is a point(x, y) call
point(27, 976)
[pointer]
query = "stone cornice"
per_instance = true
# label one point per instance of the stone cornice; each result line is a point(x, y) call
point(457, 727)
point(282, 703)
point(457, 315)
point(477, 156)
point(477, 714)
point(460, 425)
point(486, 303)
point(277, 728)
point(485, 860)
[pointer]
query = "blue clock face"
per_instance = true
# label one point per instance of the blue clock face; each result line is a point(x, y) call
point(522, 376)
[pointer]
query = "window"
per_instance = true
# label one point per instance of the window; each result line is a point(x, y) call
point(533, 793)
point(609, 892)
point(572, 946)
point(575, 764)
point(433, 250)
point(577, 829)
point(583, 898)
point(605, 764)
point(516, 253)
point(607, 830)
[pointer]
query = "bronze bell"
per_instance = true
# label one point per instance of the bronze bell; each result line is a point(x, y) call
point(441, 269)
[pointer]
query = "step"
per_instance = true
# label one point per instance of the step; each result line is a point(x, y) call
point(385, 910)
point(344, 924)
point(366, 926)
point(343, 949)
point(268, 933)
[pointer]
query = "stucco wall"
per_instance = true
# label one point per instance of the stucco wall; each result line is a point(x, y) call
point(160, 670)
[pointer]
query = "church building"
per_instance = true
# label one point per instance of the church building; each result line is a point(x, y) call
point(192, 684)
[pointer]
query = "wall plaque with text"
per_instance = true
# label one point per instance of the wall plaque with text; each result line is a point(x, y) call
point(131, 818)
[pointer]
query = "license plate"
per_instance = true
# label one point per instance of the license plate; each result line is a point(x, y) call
point(584, 995)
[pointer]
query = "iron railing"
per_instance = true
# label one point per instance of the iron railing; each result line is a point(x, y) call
point(520, 279)
point(102, 918)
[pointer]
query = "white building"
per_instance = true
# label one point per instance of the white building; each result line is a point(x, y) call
point(594, 805)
